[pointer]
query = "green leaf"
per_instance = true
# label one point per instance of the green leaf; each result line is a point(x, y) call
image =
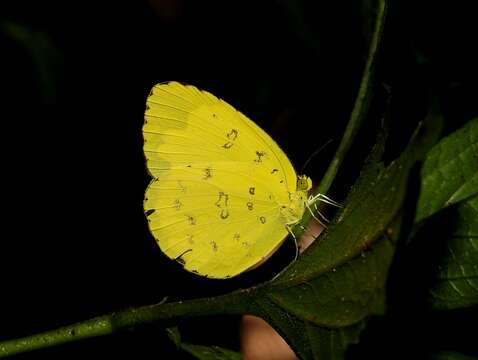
point(331, 344)
point(450, 172)
point(456, 283)
point(450, 181)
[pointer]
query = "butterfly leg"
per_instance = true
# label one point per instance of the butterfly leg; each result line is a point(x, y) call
point(289, 229)
point(325, 199)
point(318, 212)
point(313, 200)
point(305, 230)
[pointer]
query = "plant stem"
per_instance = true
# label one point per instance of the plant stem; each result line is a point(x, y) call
point(359, 110)
point(361, 103)
point(169, 313)
point(90, 328)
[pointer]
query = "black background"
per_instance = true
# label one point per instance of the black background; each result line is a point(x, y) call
point(74, 77)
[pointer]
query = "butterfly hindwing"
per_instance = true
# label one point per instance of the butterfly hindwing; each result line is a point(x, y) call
point(213, 227)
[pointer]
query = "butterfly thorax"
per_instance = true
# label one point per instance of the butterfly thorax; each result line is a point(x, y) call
point(292, 211)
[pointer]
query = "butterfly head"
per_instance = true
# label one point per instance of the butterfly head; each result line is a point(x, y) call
point(304, 183)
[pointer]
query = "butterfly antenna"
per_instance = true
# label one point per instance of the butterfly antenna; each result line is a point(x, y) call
point(311, 156)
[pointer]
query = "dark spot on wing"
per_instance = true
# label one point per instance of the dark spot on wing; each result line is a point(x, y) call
point(262, 219)
point(224, 214)
point(223, 200)
point(149, 212)
point(252, 190)
point(222, 203)
point(207, 173)
point(191, 219)
point(232, 135)
point(250, 205)
point(260, 154)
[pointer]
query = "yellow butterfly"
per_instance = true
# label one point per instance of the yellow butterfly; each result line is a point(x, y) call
point(224, 195)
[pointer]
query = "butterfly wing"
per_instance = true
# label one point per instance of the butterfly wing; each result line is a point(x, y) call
point(212, 230)
point(213, 204)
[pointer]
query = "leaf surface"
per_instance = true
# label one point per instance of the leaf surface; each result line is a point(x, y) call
point(450, 171)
